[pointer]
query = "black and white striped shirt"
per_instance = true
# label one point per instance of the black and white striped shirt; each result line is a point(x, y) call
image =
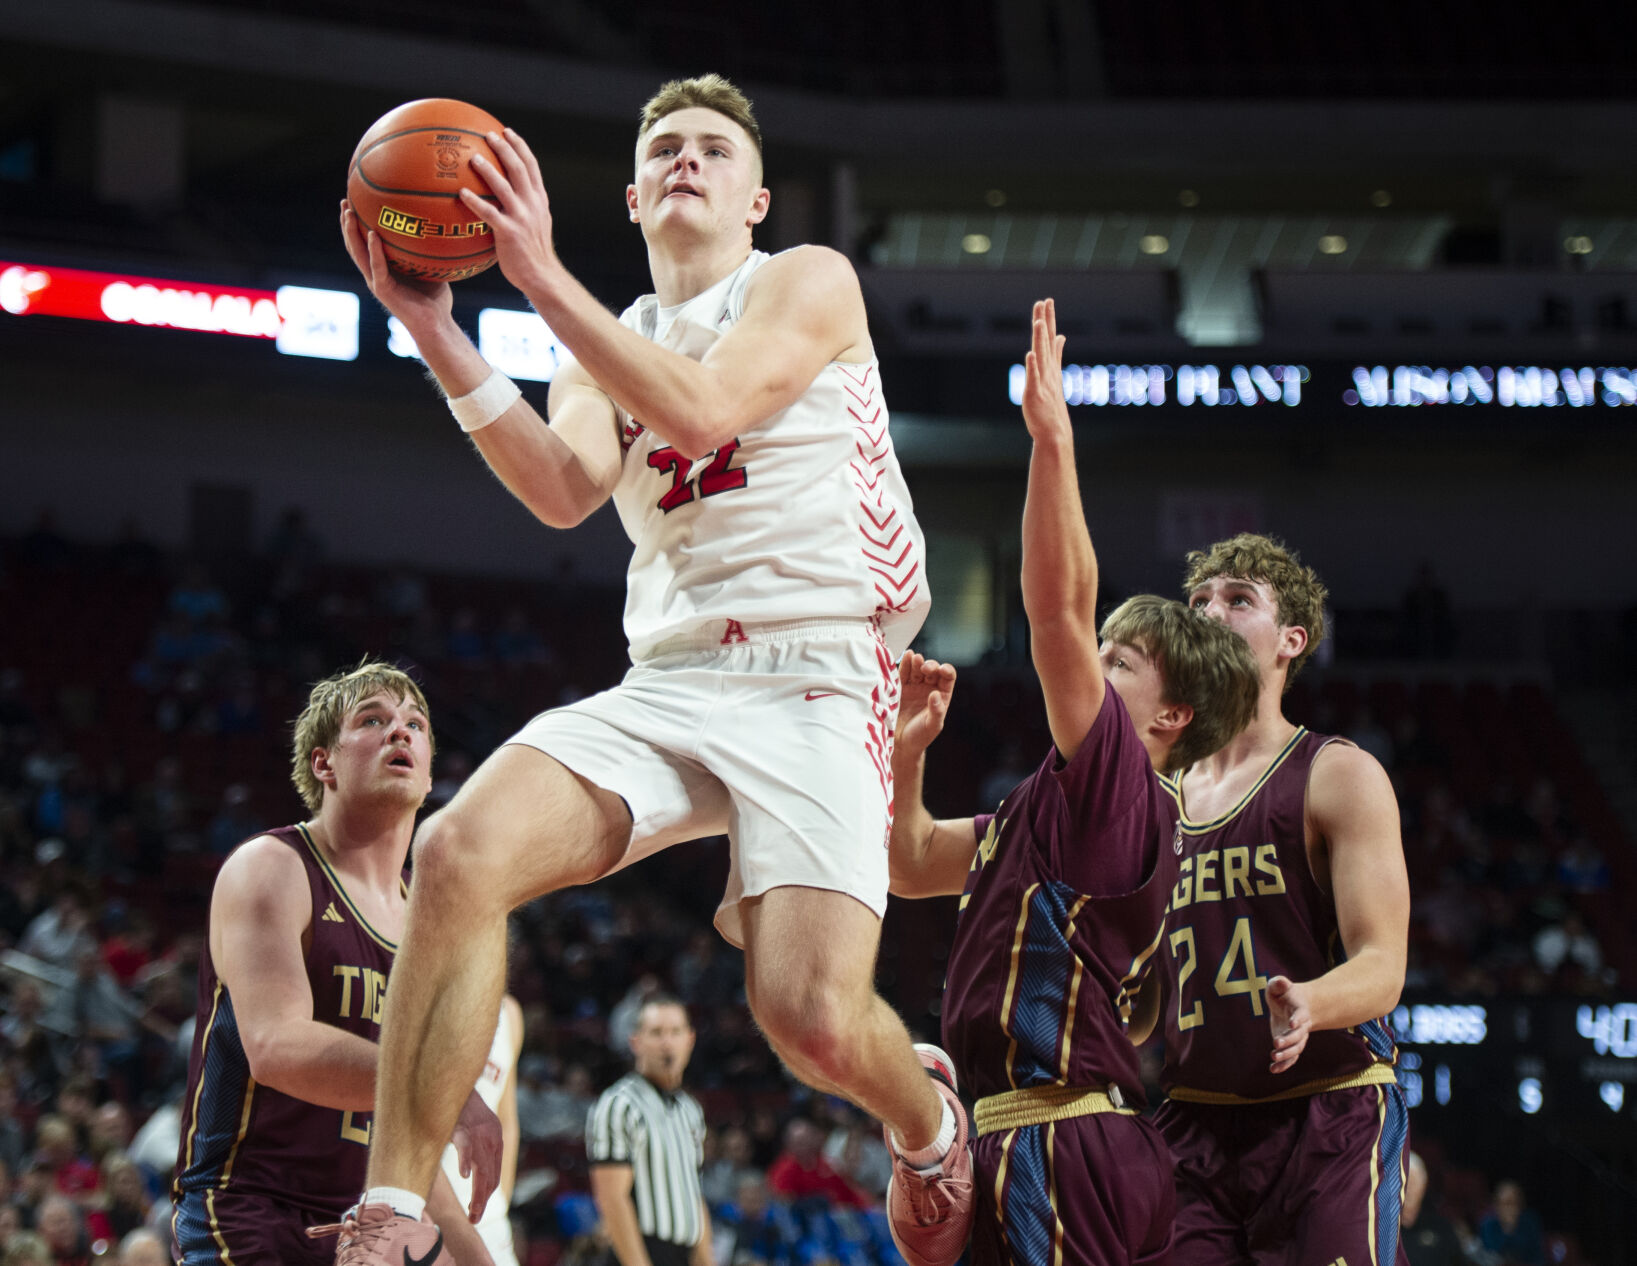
point(662, 1137)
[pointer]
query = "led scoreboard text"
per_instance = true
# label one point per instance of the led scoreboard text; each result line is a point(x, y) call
point(1364, 386)
point(1205, 385)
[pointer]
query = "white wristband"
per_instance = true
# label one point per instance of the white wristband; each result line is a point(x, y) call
point(476, 409)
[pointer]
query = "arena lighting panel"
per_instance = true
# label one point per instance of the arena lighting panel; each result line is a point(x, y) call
point(517, 343)
point(299, 320)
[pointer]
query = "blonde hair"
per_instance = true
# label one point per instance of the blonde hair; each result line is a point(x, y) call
point(1201, 663)
point(1298, 592)
point(319, 724)
point(707, 92)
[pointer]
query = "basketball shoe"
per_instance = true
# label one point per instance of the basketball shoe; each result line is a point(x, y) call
point(930, 1215)
point(373, 1235)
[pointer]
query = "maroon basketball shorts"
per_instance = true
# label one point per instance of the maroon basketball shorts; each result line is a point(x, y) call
point(1311, 1181)
point(1091, 1189)
point(214, 1228)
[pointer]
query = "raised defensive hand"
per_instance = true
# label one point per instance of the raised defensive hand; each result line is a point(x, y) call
point(925, 689)
point(1044, 410)
point(478, 1147)
point(408, 299)
point(1290, 1019)
point(520, 216)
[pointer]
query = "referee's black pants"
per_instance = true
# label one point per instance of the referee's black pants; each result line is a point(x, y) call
point(666, 1252)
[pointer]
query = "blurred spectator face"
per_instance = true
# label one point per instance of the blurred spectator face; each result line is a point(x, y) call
point(56, 1141)
point(143, 1248)
point(110, 1128)
point(27, 1249)
point(11, 1221)
point(125, 1183)
point(736, 1146)
point(1508, 1205)
point(75, 1100)
point(751, 1199)
point(59, 1225)
point(662, 1044)
point(802, 1139)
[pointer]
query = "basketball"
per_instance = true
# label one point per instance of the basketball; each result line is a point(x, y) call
point(404, 183)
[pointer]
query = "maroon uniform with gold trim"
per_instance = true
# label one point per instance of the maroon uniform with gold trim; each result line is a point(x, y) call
point(1303, 1166)
point(256, 1167)
point(1063, 911)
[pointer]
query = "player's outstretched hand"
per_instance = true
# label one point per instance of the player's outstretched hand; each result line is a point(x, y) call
point(925, 689)
point(1291, 1021)
point(520, 215)
point(478, 1147)
point(409, 300)
point(1044, 410)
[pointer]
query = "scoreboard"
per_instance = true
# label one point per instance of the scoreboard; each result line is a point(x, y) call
point(1557, 1057)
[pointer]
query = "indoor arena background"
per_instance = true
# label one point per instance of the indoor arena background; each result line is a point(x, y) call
point(1363, 279)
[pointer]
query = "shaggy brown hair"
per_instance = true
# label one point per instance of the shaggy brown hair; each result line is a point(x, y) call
point(1299, 593)
point(319, 724)
point(1201, 663)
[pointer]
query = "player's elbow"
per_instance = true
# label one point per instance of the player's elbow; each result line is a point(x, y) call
point(267, 1056)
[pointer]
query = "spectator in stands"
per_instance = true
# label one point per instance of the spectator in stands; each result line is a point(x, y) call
point(62, 933)
point(26, 1248)
point(234, 822)
point(196, 597)
point(801, 1172)
point(123, 1201)
point(1511, 1230)
point(1569, 943)
point(71, 1174)
point(1582, 868)
point(1429, 1238)
point(548, 1111)
point(856, 1151)
point(1372, 736)
point(143, 1247)
point(11, 1226)
point(13, 1143)
point(62, 1228)
point(719, 1180)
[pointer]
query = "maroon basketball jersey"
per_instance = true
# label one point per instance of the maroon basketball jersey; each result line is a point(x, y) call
point(238, 1135)
point(1246, 908)
point(1061, 918)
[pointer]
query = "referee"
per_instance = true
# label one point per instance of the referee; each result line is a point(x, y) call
point(645, 1139)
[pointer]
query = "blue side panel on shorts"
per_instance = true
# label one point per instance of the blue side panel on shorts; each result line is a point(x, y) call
point(1027, 1212)
point(191, 1228)
point(1395, 1132)
point(1043, 984)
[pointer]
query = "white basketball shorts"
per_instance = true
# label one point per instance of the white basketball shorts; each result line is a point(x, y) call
point(778, 734)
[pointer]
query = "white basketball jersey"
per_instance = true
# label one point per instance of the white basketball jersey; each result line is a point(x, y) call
point(803, 516)
point(495, 1226)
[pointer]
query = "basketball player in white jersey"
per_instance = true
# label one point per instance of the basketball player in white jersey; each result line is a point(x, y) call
point(497, 1087)
point(735, 416)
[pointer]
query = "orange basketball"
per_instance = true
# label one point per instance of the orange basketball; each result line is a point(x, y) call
point(404, 182)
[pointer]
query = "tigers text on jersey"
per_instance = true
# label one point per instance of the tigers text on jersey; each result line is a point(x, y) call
point(241, 1136)
point(1246, 908)
point(805, 515)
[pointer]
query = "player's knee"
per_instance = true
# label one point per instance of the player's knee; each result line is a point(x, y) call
point(806, 1024)
point(451, 862)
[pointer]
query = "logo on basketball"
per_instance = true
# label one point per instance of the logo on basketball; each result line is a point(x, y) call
point(401, 222)
point(448, 158)
point(406, 225)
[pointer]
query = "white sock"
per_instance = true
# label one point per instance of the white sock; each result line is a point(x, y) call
point(927, 1160)
point(398, 1200)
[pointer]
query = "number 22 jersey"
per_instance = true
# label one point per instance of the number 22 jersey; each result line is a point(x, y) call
point(803, 516)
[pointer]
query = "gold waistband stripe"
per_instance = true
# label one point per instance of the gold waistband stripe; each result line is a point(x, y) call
point(1040, 1105)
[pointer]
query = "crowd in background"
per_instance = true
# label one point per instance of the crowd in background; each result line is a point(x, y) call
point(144, 711)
